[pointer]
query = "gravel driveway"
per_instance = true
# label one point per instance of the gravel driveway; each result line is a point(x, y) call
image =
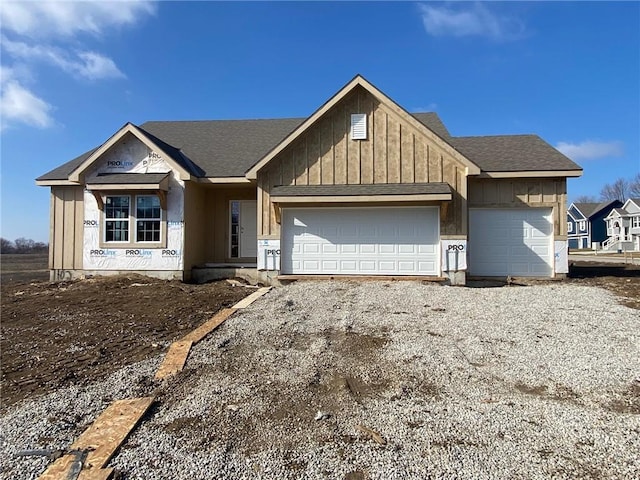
point(514, 382)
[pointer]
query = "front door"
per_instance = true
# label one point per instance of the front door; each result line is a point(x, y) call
point(244, 229)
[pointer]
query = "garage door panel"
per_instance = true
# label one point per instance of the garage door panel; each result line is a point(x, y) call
point(387, 249)
point(367, 266)
point(310, 248)
point(375, 240)
point(511, 242)
point(329, 248)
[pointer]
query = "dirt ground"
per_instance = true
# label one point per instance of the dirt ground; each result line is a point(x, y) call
point(623, 280)
point(55, 334)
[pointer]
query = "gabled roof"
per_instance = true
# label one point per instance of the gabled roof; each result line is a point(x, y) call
point(589, 209)
point(621, 212)
point(221, 148)
point(227, 150)
point(360, 81)
point(574, 214)
point(72, 171)
point(636, 201)
point(513, 153)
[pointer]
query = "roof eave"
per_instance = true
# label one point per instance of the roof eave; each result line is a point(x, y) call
point(55, 183)
point(531, 174)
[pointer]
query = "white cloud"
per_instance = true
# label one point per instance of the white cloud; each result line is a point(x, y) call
point(90, 65)
point(19, 105)
point(46, 19)
point(470, 20)
point(591, 150)
point(45, 32)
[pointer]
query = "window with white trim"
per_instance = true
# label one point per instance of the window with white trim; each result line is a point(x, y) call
point(116, 218)
point(583, 224)
point(569, 227)
point(635, 222)
point(148, 218)
point(133, 219)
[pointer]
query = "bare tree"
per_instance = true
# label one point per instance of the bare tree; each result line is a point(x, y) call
point(634, 186)
point(618, 190)
point(586, 199)
point(24, 245)
point(7, 246)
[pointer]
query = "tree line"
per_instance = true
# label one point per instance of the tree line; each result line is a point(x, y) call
point(622, 189)
point(22, 245)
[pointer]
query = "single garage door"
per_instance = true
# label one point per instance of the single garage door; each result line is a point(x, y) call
point(515, 242)
point(360, 241)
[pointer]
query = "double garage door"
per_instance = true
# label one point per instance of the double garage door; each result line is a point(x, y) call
point(360, 241)
point(515, 242)
point(405, 241)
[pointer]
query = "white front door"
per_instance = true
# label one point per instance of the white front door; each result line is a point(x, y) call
point(248, 228)
point(361, 241)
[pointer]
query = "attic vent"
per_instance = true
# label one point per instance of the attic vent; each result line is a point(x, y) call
point(358, 126)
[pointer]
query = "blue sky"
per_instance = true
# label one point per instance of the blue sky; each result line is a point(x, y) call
point(73, 73)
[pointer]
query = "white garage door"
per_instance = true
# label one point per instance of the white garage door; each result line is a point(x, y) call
point(360, 241)
point(515, 242)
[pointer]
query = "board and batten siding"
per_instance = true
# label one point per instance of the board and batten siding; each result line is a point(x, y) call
point(395, 151)
point(66, 227)
point(523, 192)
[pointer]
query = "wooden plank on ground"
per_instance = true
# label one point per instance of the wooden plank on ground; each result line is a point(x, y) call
point(93, 474)
point(244, 303)
point(175, 359)
point(101, 440)
point(207, 327)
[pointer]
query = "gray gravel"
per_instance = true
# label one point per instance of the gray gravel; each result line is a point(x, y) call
point(513, 382)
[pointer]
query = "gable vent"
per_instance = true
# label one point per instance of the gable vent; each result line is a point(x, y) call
point(358, 126)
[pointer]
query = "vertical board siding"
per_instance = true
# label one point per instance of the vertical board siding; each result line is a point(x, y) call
point(326, 150)
point(380, 147)
point(407, 156)
point(366, 148)
point(340, 135)
point(395, 151)
point(67, 219)
point(52, 222)
point(79, 230)
point(300, 163)
point(421, 174)
point(522, 192)
point(352, 105)
point(314, 158)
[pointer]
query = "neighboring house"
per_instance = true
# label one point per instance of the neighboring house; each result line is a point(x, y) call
point(623, 227)
point(360, 187)
point(586, 225)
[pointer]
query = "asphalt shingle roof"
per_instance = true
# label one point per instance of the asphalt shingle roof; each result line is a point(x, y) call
point(512, 153)
point(228, 148)
point(356, 190)
point(589, 209)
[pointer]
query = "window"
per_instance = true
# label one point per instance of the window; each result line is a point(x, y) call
point(583, 225)
point(235, 229)
point(148, 218)
point(635, 222)
point(116, 214)
point(569, 227)
point(132, 219)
